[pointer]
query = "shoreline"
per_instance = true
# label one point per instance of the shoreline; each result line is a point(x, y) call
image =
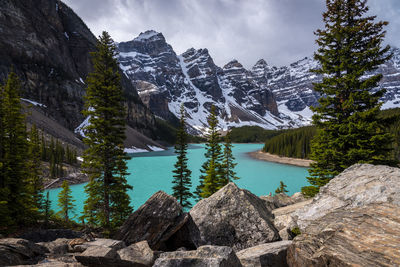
point(278, 159)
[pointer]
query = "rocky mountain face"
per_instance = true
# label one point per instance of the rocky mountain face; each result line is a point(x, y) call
point(48, 46)
point(165, 80)
point(268, 96)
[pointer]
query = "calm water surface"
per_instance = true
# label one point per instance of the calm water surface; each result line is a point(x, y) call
point(152, 171)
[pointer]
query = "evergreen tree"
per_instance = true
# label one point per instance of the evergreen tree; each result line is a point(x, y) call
point(47, 209)
point(211, 168)
point(228, 164)
point(34, 166)
point(349, 131)
point(281, 188)
point(107, 204)
point(15, 200)
point(65, 202)
point(182, 182)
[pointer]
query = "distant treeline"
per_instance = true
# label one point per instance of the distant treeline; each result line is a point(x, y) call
point(253, 134)
point(295, 143)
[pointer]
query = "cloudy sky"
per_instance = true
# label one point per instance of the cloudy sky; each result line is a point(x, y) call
point(280, 31)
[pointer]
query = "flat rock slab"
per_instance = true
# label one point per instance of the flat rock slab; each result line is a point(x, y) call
point(265, 255)
point(210, 256)
point(365, 236)
point(232, 217)
point(110, 243)
point(155, 221)
point(357, 186)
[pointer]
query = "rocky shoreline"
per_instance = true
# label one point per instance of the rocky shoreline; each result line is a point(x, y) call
point(278, 159)
point(353, 221)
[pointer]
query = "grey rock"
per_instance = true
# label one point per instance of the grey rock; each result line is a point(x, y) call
point(155, 221)
point(212, 256)
point(232, 217)
point(361, 236)
point(15, 251)
point(265, 255)
point(47, 235)
point(357, 186)
point(58, 246)
point(277, 201)
point(109, 243)
point(139, 252)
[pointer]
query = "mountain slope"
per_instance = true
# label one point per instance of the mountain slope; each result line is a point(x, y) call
point(48, 46)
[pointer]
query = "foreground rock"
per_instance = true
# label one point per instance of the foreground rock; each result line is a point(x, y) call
point(16, 251)
point(139, 253)
point(213, 256)
point(357, 186)
point(155, 221)
point(365, 236)
point(265, 255)
point(232, 217)
point(281, 200)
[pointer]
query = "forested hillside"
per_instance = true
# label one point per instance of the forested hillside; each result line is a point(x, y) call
point(296, 142)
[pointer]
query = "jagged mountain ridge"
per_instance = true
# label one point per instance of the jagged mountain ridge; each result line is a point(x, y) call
point(165, 80)
point(267, 96)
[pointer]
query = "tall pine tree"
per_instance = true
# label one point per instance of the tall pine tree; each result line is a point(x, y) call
point(182, 182)
point(16, 203)
point(349, 131)
point(34, 165)
point(65, 202)
point(228, 163)
point(107, 204)
point(210, 179)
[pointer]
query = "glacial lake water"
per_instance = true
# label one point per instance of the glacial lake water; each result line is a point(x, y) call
point(152, 171)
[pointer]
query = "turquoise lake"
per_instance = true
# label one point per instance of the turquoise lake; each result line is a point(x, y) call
point(152, 171)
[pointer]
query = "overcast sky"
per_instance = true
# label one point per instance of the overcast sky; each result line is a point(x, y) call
point(280, 31)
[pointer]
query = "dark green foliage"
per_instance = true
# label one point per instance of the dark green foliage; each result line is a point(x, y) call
point(65, 202)
point(349, 130)
point(34, 166)
point(47, 209)
point(228, 163)
point(293, 143)
point(281, 188)
point(252, 134)
point(211, 168)
point(182, 182)
point(17, 207)
point(104, 162)
point(295, 231)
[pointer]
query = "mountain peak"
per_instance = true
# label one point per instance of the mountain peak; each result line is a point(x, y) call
point(261, 62)
point(233, 64)
point(149, 35)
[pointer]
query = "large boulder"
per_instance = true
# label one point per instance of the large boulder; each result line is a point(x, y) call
point(139, 252)
point(265, 255)
point(357, 186)
point(363, 236)
point(155, 221)
point(277, 201)
point(213, 256)
point(57, 247)
point(15, 251)
point(232, 217)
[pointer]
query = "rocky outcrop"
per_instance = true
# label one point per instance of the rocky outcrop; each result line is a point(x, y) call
point(215, 256)
point(357, 186)
point(16, 251)
point(359, 236)
point(48, 46)
point(155, 221)
point(47, 235)
point(280, 200)
point(265, 255)
point(232, 217)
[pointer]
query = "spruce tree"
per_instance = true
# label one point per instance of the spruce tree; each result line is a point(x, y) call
point(47, 209)
point(15, 199)
point(228, 164)
point(65, 202)
point(211, 168)
point(281, 188)
point(104, 162)
point(182, 182)
point(34, 166)
point(349, 132)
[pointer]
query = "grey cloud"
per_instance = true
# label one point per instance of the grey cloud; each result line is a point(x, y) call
point(280, 31)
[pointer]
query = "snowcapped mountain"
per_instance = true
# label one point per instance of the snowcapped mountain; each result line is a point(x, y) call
point(267, 96)
point(164, 80)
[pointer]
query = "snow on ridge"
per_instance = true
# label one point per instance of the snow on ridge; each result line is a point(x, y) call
point(144, 36)
point(133, 149)
point(34, 103)
point(155, 148)
point(81, 128)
